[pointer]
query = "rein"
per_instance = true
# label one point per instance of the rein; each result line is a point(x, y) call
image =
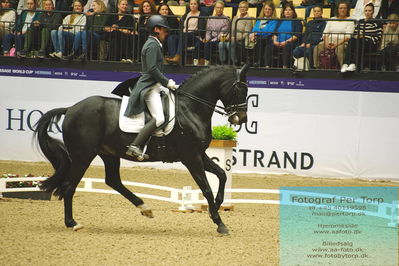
point(226, 111)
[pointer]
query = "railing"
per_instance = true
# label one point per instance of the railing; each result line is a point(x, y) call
point(187, 196)
point(123, 44)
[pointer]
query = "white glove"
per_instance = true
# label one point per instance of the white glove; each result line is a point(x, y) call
point(171, 85)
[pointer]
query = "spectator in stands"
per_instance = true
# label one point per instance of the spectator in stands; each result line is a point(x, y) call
point(262, 31)
point(7, 19)
point(360, 6)
point(146, 9)
point(207, 6)
point(89, 6)
point(217, 29)
point(63, 5)
point(239, 33)
point(48, 21)
point(192, 31)
point(72, 24)
point(367, 35)
point(336, 34)
point(118, 30)
point(173, 24)
point(285, 38)
point(24, 21)
point(333, 5)
point(390, 44)
point(313, 36)
point(95, 22)
point(388, 7)
point(309, 5)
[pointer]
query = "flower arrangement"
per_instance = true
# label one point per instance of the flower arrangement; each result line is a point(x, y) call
point(20, 183)
point(223, 133)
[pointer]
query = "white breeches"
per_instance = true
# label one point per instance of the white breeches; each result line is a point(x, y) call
point(153, 101)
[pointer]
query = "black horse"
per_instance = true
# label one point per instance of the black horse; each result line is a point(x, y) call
point(90, 128)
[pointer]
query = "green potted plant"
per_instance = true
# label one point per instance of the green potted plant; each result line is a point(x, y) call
point(223, 136)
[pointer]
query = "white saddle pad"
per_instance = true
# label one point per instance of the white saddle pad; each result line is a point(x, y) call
point(135, 123)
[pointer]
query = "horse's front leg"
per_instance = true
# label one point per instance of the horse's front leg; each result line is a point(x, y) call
point(212, 167)
point(195, 165)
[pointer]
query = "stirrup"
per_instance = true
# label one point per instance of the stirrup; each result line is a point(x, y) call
point(135, 151)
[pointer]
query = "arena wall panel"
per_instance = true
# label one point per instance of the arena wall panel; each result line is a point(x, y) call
point(325, 128)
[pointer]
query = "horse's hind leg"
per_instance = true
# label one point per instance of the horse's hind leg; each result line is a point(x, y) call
point(113, 179)
point(212, 167)
point(75, 174)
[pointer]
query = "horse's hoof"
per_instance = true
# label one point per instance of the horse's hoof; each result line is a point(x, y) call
point(146, 211)
point(77, 227)
point(222, 229)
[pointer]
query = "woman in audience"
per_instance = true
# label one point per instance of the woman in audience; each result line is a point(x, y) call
point(7, 19)
point(118, 30)
point(24, 21)
point(286, 37)
point(361, 5)
point(71, 25)
point(312, 36)
point(367, 36)
point(146, 9)
point(193, 30)
point(336, 34)
point(48, 21)
point(390, 45)
point(262, 31)
point(240, 31)
point(94, 29)
point(173, 23)
point(217, 29)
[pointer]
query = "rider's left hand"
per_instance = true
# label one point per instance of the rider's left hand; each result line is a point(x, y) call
point(172, 85)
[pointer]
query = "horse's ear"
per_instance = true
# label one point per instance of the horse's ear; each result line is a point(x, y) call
point(243, 72)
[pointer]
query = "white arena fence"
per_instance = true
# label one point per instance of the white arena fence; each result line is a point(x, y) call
point(187, 196)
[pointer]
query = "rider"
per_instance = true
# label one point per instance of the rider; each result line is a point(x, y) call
point(149, 86)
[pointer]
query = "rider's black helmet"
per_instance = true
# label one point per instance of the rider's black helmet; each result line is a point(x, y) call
point(156, 21)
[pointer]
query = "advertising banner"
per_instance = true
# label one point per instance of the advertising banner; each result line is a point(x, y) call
point(303, 127)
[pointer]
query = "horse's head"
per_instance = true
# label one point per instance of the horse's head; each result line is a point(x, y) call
point(237, 108)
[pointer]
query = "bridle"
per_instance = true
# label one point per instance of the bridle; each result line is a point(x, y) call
point(232, 109)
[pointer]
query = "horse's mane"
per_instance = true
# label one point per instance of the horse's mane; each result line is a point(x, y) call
point(204, 75)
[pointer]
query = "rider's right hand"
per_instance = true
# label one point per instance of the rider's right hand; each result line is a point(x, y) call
point(171, 85)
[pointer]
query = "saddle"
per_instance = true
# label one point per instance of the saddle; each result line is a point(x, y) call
point(134, 124)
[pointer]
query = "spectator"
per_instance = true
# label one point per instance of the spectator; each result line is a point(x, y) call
point(285, 38)
point(217, 30)
point(360, 6)
point(48, 21)
point(336, 34)
point(63, 5)
point(146, 9)
point(313, 36)
point(368, 33)
point(89, 6)
point(240, 31)
point(173, 23)
point(262, 31)
point(390, 44)
point(24, 21)
point(192, 31)
point(309, 5)
point(7, 19)
point(95, 22)
point(388, 7)
point(207, 6)
point(118, 30)
point(71, 25)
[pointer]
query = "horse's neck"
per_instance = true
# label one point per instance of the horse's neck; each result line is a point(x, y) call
point(195, 117)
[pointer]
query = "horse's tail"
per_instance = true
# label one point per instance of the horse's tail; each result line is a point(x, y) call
point(55, 151)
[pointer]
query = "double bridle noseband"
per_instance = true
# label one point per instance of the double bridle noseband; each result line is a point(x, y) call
point(230, 110)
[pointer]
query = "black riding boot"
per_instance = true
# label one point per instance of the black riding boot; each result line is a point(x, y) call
point(134, 149)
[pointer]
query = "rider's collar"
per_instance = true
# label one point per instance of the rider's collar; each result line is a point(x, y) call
point(159, 42)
